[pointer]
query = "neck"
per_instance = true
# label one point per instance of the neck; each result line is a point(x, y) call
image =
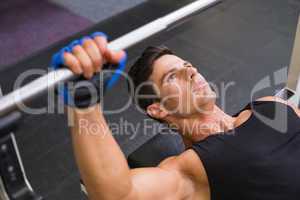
point(199, 126)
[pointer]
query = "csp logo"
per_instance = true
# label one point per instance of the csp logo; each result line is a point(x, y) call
point(279, 120)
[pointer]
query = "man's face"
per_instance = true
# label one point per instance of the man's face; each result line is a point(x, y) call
point(182, 89)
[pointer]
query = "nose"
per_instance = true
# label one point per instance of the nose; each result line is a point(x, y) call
point(187, 72)
point(190, 72)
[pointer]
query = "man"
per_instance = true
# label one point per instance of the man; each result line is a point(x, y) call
point(227, 157)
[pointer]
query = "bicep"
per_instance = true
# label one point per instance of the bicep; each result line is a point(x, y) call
point(172, 179)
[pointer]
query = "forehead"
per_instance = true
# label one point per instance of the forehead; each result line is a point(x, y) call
point(163, 65)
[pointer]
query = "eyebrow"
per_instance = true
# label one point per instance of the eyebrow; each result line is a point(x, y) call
point(186, 63)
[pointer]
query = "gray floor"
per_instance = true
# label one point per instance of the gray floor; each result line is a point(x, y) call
point(29, 26)
point(97, 10)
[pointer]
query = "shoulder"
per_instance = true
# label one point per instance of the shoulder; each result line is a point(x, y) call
point(189, 164)
point(182, 161)
point(278, 99)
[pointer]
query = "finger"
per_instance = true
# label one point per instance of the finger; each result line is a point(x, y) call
point(85, 61)
point(72, 62)
point(101, 43)
point(94, 53)
point(114, 57)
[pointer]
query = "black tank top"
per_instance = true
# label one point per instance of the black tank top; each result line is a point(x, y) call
point(257, 160)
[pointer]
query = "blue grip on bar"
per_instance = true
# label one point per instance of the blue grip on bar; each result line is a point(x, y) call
point(58, 62)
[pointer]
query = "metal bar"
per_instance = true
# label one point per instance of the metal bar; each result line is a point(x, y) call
point(13, 181)
point(11, 101)
point(3, 193)
point(293, 82)
point(294, 71)
point(291, 92)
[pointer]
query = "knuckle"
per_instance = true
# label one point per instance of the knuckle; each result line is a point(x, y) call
point(87, 43)
point(100, 41)
point(87, 65)
point(76, 49)
point(68, 59)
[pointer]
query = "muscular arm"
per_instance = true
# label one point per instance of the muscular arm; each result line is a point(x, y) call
point(105, 171)
point(102, 165)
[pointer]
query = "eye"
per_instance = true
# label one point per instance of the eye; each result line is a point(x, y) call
point(172, 77)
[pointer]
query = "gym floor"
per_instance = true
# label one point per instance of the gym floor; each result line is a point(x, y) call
point(236, 43)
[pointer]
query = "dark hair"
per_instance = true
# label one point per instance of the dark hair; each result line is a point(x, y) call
point(140, 72)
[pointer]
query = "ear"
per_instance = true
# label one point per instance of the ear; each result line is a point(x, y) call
point(156, 111)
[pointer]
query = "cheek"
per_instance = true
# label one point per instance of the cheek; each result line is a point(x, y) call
point(181, 90)
point(170, 96)
point(170, 90)
point(177, 97)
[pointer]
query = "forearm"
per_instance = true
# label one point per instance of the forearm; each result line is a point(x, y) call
point(101, 162)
